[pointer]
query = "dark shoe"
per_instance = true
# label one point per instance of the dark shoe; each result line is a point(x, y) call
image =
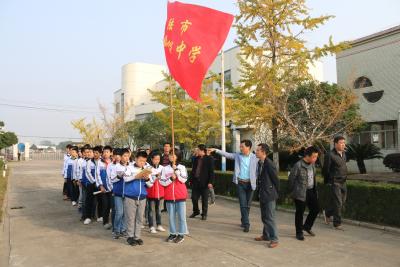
point(300, 237)
point(179, 239)
point(131, 241)
point(203, 217)
point(261, 238)
point(311, 233)
point(164, 210)
point(139, 242)
point(339, 227)
point(246, 229)
point(273, 244)
point(171, 238)
point(327, 219)
point(194, 214)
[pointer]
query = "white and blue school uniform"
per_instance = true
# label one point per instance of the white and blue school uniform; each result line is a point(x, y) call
point(117, 175)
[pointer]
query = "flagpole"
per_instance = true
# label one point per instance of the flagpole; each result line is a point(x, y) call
point(172, 118)
point(223, 142)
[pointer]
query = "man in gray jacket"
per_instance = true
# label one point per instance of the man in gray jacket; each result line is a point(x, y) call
point(244, 177)
point(303, 188)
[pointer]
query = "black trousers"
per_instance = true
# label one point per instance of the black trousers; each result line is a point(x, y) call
point(65, 191)
point(72, 190)
point(99, 205)
point(89, 201)
point(313, 208)
point(105, 200)
point(197, 192)
point(338, 195)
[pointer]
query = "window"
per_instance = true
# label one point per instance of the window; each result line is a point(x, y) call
point(382, 134)
point(373, 97)
point(117, 107)
point(227, 76)
point(362, 82)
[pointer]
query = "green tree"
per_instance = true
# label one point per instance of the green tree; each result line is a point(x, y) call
point(275, 58)
point(150, 131)
point(315, 112)
point(194, 122)
point(7, 139)
point(361, 152)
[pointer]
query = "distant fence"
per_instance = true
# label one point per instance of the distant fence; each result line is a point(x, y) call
point(41, 155)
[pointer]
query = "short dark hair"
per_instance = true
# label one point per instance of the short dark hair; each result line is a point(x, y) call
point(141, 154)
point(155, 154)
point(69, 146)
point(247, 143)
point(167, 143)
point(310, 150)
point(264, 147)
point(338, 138)
point(124, 151)
point(84, 148)
point(74, 148)
point(109, 148)
point(202, 147)
point(98, 149)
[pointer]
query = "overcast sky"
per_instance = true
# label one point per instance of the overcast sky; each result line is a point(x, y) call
point(67, 55)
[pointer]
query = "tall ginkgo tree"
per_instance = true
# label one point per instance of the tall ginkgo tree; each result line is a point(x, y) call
point(275, 58)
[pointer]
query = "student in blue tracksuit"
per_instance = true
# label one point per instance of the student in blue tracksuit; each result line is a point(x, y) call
point(89, 185)
point(70, 174)
point(82, 162)
point(104, 185)
point(118, 174)
point(135, 197)
point(66, 157)
point(116, 158)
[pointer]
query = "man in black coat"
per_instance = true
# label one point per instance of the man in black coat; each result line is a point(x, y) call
point(202, 176)
point(335, 176)
point(268, 186)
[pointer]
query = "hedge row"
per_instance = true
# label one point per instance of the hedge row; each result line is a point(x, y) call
point(368, 202)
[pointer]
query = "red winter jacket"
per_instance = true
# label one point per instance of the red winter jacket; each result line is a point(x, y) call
point(156, 191)
point(175, 190)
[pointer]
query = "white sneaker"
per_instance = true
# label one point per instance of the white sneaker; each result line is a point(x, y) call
point(142, 227)
point(153, 230)
point(73, 203)
point(107, 226)
point(87, 221)
point(100, 219)
point(160, 228)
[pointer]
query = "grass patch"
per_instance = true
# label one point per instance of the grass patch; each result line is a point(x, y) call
point(3, 188)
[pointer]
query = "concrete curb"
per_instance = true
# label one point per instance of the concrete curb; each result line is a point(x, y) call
point(384, 228)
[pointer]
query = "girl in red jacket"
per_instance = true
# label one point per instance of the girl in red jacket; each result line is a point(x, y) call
point(155, 194)
point(173, 178)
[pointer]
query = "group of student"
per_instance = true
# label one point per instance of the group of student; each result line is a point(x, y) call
point(120, 189)
point(130, 187)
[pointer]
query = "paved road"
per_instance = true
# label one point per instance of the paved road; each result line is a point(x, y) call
point(47, 232)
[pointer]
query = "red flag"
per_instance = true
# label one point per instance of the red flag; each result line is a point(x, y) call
point(193, 37)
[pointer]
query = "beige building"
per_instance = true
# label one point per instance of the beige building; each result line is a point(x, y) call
point(133, 100)
point(371, 67)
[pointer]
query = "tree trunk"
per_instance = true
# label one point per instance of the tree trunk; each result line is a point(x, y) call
point(275, 146)
point(361, 166)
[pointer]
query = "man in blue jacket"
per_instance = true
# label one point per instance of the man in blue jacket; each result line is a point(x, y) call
point(244, 177)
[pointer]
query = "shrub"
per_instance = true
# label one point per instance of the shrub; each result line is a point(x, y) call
point(370, 202)
point(392, 161)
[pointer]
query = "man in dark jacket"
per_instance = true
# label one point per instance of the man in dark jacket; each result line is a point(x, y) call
point(335, 175)
point(268, 187)
point(202, 176)
point(303, 187)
